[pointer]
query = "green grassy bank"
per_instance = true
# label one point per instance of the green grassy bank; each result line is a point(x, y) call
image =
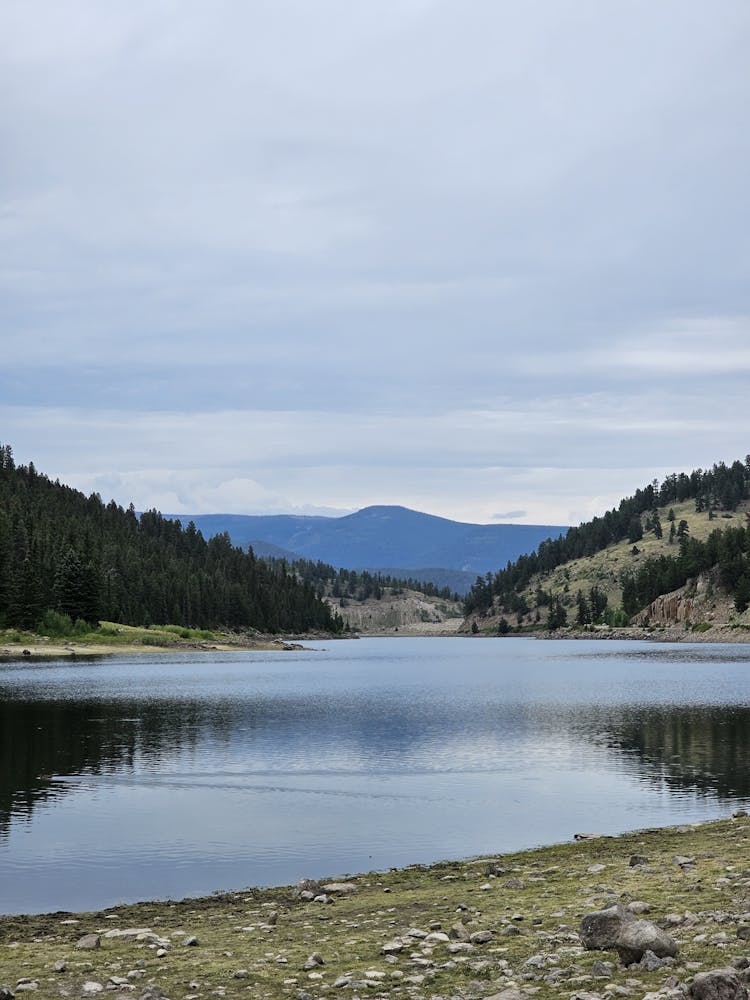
point(255, 943)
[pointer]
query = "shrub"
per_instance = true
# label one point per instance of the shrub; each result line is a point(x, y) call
point(55, 625)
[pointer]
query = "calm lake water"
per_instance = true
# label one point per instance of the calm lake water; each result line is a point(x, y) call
point(167, 776)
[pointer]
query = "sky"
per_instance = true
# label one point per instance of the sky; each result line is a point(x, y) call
point(488, 260)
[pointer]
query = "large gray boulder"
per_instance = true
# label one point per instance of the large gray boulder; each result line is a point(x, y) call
point(601, 929)
point(719, 984)
point(639, 936)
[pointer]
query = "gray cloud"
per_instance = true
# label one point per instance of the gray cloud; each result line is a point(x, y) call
point(352, 253)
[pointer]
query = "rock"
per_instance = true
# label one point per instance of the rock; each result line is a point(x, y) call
point(91, 988)
point(458, 932)
point(600, 930)
point(128, 932)
point(595, 869)
point(639, 936)
point(60, 966)
point(191, 942)
point(307, 896)
point(513, 883)
point(739, 813)
point(393, 947)
point(161, 953)
point(6, 993)
point(342, 888)
point(323, 898)
point(152, 993)
point(651, 962)
point(638, 859)
point(602, 970)
point(272, 918)
point(481, 937)
point(682, 861)
point(510, 930)
point(743, 932)
point(588, 836)
point(306, 885)
point(341, 982)
point(241, 974)
point(313, 961)
point(456, 947)
point(512, 993)
point(416, 933)
point(436, 937)
point(638, 906)
point(718, 984)
point(88, 942)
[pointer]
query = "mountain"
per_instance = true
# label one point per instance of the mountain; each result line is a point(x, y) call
point(383, 537)
point(688, 539)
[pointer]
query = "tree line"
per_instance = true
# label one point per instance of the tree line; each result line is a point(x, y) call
point(65, 552)
point(358, 585)
point(723, 487)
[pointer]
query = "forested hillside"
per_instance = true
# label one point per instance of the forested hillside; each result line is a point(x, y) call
point(360, 585)
point(631, 530)
point(75, 555)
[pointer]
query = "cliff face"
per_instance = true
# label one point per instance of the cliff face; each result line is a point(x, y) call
point(698, 601)
point(410, 611)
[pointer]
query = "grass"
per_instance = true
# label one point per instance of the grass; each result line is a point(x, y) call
point(543, 893)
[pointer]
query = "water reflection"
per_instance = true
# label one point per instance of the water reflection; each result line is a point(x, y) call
point(240, 771)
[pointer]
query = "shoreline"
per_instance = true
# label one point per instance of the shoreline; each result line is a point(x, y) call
point(464, 929)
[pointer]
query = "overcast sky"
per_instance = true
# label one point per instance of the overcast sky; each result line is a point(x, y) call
point(489, 260)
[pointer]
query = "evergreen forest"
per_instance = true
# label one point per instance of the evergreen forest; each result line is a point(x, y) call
point(727, 551)
point(63, 553)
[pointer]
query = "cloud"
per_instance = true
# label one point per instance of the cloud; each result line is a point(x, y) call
point(509, 515)
point(250, 261)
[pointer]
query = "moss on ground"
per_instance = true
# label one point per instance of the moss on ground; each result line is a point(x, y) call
point(539, 894)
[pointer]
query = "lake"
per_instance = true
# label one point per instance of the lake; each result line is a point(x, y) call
point(163, 776)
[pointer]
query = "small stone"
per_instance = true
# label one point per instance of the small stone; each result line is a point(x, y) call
point(59, 966)
point(638, 859)
point(161, 952)
point(393, 947)
point(602, 970)
point(739, 813)
point(458, 932)
point(481, 937)
point(342, 888)
point(272, 918)
point(341, 982)
point(313, 961)
point(650, 962)
point(91, 988)
point(595, 869)
point(638, 906)
point(191, 942)
point(241, 974)
point(88, 942)
point(6, 993)
point(513, 883)
point(743, 932)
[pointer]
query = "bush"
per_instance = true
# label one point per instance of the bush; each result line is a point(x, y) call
point(55, 625)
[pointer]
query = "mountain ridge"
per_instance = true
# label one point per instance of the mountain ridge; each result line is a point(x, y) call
point(382, 536)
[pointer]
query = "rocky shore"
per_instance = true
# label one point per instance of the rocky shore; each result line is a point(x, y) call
point(651, 915)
